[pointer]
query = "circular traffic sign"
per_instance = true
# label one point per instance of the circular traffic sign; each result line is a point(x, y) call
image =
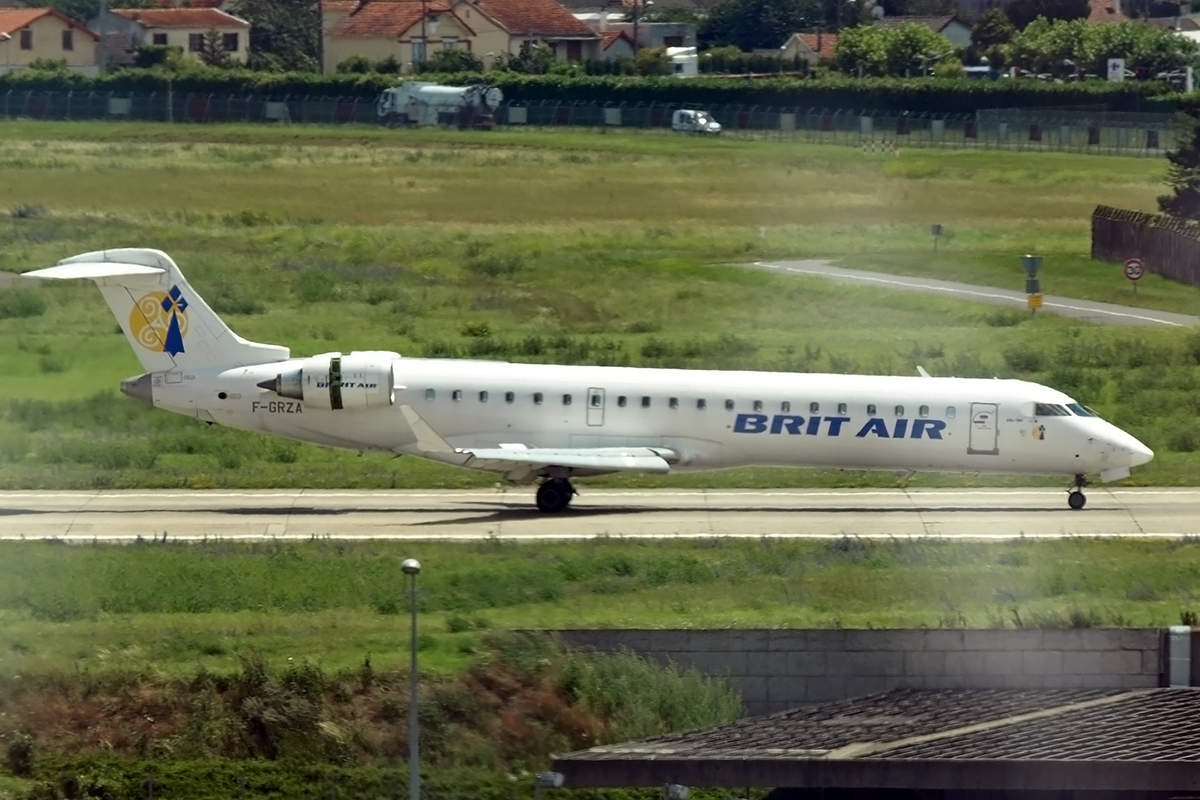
point(1134, 269)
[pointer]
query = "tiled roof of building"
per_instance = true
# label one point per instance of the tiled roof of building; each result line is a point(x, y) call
point(823, 44)
point(181, 17)
point(13, 19)
point(385, 18)
point(609, 38)
point(1105, 11)
point(191, 3)
point(992, 739)
point(541, 18)
point(935, 24)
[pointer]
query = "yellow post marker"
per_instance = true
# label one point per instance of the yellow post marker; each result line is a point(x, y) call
point(1035, 302)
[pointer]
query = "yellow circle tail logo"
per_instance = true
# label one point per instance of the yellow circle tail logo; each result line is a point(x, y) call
point(159, 321)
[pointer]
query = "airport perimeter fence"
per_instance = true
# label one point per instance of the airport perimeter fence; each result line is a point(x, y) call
point(1079, 129)
point(1168, 246)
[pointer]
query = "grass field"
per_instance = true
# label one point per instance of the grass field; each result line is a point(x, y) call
point(568, 247)
point(175, 608)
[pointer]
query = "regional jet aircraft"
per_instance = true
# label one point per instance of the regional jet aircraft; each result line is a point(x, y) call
point(548, 423)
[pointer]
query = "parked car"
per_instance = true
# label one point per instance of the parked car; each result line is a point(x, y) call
point(687, 120)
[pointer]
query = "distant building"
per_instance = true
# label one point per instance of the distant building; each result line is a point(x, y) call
point(179, 27)
point(615, 44)
point(1105, 11)
point(43, 33)
point(409, 31)
point(810, 47)
point(953, 28)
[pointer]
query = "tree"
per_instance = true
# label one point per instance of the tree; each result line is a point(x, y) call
point(669, 14)
point(752, 24)
point(284, 34)
point(1023, 12)
point(531, 60)
point(652, 61)
point(355, 65)
point(1183, 174)
point(993, 29)
point(1075, 48)
point(212, 49)
point(908, 49)
point(455, 59)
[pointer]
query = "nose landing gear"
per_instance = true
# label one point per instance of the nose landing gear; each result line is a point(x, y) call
point(1076, 499)
point(555, 495)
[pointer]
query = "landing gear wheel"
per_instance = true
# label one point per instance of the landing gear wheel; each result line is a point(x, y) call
point(554, 495)
point(1076, 499)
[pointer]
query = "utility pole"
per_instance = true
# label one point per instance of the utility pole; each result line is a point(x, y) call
point(102, 49)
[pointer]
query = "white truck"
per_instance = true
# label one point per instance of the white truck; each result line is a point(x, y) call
point(687, 120)
point(421, 103)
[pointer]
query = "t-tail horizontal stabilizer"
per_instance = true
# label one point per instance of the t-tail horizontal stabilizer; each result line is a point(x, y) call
point(168, 325)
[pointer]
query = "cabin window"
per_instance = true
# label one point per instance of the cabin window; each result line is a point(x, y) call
point(1081, 411)
point(645, 401)
point(622, 401)
point(871, 409)
point(456, 395)
point(950, 412)
point(758, 405)
point(566, 399)
point(673, 402)
point(430, 395)
point(596, 400)
point(537, 398)
point(510, 397)
point(785, 406)
point(899, 411)
point(923, 411)
point(729, 405)
point(483, 397)
point(701, 404)
point(814, 408)
point(841, 408)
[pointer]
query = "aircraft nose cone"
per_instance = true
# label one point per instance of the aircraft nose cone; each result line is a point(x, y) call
point(1139, 454)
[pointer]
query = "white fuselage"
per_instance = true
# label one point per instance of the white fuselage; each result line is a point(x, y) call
point(710, 419)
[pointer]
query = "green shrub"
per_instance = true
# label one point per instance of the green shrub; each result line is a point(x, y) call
point(1025, 358)
point(18, 303)
point(19, 755)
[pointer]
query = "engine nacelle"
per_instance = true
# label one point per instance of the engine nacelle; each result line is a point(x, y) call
point(337, 382)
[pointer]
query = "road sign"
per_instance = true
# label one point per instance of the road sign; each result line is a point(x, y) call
point(1035, 302)
point(1134, 269)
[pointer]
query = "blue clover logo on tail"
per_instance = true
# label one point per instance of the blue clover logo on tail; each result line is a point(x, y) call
point(159, 321)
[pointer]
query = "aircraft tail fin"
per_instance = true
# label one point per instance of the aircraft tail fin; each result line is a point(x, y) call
point(167, 323)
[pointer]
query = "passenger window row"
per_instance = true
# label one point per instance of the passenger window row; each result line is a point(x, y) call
point(596, 401)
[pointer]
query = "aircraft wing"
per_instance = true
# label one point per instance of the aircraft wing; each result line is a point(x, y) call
point(518, 462)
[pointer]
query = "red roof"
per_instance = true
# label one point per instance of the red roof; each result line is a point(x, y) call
point(13, 19)
point(609, 38)
point(181, 17)
point(823, 44)
point(345, 6)
point(1105, 11)
point(191, 3)
point(540, 18)
point(387, 19)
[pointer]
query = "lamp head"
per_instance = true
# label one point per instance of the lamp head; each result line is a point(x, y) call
point(411, 566)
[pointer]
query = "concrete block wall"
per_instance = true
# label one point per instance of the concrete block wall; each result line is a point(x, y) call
point(781, 669)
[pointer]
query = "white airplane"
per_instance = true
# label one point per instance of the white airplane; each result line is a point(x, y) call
point(550, 423)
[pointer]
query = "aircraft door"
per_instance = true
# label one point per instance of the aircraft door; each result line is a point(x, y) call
point(595, 407)
point(985, 430)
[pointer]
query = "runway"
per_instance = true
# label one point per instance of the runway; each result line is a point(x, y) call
point(1100, 313)
point(424, 514)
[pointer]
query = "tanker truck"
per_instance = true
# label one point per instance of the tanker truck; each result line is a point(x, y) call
point(421, 103)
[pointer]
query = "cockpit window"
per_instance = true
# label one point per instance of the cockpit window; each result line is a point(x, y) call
point(1081, 411)
point(1049, 409)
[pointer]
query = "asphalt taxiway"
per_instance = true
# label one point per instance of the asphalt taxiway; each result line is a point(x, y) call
point(476, 514)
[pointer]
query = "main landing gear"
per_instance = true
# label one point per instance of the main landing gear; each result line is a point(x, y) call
point(1077, 499)
point(554, 495)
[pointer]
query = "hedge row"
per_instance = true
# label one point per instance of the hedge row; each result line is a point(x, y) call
point(917, 95)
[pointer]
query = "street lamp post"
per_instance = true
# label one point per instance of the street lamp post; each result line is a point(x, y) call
point(6, 37)
point(411, 567)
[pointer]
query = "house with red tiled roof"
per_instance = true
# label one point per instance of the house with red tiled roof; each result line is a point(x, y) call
point(810, 47)
point(27, 34)
point(616, 44)
point(410, 31)
point(180, 27)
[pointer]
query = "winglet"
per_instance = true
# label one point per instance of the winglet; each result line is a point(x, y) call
point(924, 374)
point(427, 438)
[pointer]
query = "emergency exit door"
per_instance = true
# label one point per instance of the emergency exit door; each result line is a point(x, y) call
point(595, 407)
point(985, 430)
